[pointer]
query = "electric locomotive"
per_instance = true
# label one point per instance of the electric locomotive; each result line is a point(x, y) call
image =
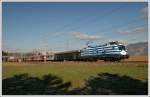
point(112, 51)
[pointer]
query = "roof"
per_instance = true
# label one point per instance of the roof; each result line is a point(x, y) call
point(72, 51)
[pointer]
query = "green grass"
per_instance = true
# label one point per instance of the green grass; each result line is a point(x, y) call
point(76, 73)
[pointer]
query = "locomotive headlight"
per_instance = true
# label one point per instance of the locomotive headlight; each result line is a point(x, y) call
point(123, 52)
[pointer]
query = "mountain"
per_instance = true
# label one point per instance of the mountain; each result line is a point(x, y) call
point(140, 48)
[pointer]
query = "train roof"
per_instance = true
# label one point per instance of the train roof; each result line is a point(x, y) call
point(72, 51)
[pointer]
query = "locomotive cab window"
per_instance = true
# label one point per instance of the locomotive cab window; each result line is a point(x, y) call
point(115, 48)
point(121, 47)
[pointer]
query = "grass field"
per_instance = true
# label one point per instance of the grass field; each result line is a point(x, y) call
point(76, 72)
point(138, 58)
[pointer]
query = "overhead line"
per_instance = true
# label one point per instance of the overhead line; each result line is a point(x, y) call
point(92, 20)
point(127, 23)
point(95, 19)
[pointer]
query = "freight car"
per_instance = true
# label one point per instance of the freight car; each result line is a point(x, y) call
point(73, 55)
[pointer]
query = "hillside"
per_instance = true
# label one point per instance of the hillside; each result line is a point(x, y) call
point(140, 48)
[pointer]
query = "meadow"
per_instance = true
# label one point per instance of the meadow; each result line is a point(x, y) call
point(76, 72)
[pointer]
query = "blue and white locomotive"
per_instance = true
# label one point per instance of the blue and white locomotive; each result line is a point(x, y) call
point(113, 51)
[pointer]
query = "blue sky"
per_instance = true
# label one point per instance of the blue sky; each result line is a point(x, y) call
point(67, 26)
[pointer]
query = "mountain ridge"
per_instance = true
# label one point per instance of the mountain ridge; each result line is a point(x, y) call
point(140, 48)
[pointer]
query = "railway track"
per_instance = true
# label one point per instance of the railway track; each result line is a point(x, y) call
point(49, 62)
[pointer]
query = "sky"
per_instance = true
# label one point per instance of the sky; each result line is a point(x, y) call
point(29, 26)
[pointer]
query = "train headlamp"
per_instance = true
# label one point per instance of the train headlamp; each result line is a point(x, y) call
point(123, 52)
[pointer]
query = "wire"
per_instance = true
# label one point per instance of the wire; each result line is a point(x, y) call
point(127, 23)
point(95, 19)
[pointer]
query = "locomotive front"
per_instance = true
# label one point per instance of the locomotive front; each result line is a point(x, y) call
point(123, 51)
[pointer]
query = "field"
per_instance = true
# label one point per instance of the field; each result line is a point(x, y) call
point(138, 58)
point(77, 72)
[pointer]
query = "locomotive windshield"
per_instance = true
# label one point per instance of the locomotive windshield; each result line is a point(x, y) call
point(121, 47)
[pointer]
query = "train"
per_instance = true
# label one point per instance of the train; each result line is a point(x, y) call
point(111, 51)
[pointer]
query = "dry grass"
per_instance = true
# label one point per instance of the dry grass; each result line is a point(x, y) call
point(138, 58)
